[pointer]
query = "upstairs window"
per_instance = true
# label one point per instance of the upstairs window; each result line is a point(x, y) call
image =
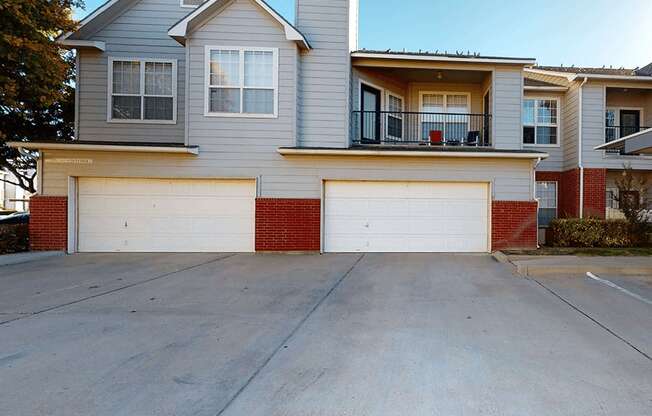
point(142, 90)
point(191, 3)
point(241, 82)
point(540, 121)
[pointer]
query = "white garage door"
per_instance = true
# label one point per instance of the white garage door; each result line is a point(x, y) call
point(161, 215)
point(405, 217)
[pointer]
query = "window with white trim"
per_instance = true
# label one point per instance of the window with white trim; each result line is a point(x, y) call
point(142, 90)
point(394, 116)
point(546, 193)
point(242, 81)
point(445, 112)
point(540, 121)
point(191, 3)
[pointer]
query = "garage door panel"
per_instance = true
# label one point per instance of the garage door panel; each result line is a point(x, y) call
point(166, 215)
point(404, 217)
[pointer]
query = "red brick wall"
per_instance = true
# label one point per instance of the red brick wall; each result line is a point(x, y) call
point(595, 186)
point(513, 224)
point(288, 224)
point(569, 194)
point(48, 222)
point(595, 182)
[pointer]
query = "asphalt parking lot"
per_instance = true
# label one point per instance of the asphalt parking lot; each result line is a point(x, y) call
point(271, 334)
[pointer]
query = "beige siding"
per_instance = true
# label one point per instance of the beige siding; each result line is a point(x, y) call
point(141, 31)
point(570, 119)
point(507, 99)
point(292, 177)
point(325, 73)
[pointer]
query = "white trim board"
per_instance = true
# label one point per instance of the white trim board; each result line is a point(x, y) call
point(181, 29)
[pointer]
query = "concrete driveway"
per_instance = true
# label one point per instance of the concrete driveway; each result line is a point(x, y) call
point(375, 334)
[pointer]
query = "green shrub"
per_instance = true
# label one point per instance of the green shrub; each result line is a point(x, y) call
point(14, 238)
point(592, 232)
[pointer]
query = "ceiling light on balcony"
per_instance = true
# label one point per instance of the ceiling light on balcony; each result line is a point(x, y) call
point(440, 75)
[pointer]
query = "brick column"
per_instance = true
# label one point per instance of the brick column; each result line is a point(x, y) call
point(48, 223)
point(595, 187)
point(513, 224)
point(284, 224)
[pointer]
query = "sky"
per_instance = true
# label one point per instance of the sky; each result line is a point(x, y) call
point(570, 32)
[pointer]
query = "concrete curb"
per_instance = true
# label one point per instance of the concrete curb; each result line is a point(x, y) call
point(26, 257)
point(549, 269)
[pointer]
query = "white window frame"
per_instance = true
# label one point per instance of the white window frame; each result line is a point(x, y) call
point(389, 94)
point(187, 6)
point(142, 62)
point(241, 87)
point(556, 207)
point(445, 94)
point(537, 124)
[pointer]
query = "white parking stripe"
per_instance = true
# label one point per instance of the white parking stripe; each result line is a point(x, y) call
point(615, 286)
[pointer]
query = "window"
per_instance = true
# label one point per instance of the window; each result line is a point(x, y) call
point(191, 3)
point(242, 82)
point(394, 116)
point(612, 198)
point(547, 197)
point(454, 125)
point(142, 90)
point(540, 121)
point(611, 131)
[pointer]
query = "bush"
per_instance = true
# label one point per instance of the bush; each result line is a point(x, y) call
point(14, 238)
point(592, 232)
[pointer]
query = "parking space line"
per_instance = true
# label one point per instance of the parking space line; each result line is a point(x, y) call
point(615, 286)
point(592, 319)
point(108, 292)
point(290, 335)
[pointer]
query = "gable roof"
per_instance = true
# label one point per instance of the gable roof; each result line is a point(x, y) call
point(181, 29)
point(108, 10)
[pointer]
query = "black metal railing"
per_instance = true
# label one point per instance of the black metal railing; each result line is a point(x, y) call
point(612, 133)
point(414, 128)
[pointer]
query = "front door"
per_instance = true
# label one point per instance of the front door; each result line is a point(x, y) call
point(630, 122)
point(370, 114)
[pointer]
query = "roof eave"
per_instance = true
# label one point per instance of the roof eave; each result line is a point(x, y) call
point(418, 57)
point(290, 151)
point(179, 31)
point(79, 44)
point(193, 150)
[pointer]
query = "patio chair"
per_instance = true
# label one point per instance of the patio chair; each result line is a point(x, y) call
point(435, 137)
point(472, 138)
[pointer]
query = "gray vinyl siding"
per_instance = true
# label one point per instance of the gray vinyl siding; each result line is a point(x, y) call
point(506, 118)
point(593, 100)
point(325, 73)
point(570, 118)
point(242, 141)
point(293, 177)
point(140, 32)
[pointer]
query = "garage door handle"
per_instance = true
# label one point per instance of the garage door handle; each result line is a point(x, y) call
point(126, 225)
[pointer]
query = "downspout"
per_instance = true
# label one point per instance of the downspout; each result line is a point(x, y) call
point(534, 193)
point(580, 150)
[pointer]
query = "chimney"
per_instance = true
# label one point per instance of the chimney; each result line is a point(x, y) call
point(314, 18)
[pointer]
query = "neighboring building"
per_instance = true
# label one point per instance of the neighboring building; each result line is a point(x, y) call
point(12, 197)
point(219, 126)
point(598, 110)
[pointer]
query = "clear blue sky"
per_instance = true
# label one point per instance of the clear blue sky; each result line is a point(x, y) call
point(580, 32)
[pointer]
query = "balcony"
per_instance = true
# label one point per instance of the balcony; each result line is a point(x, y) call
point(617, 132)
point(421, 128)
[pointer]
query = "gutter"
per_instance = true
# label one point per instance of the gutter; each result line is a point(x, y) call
point(285, 151)
point(194, 150)
point(580, 162)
